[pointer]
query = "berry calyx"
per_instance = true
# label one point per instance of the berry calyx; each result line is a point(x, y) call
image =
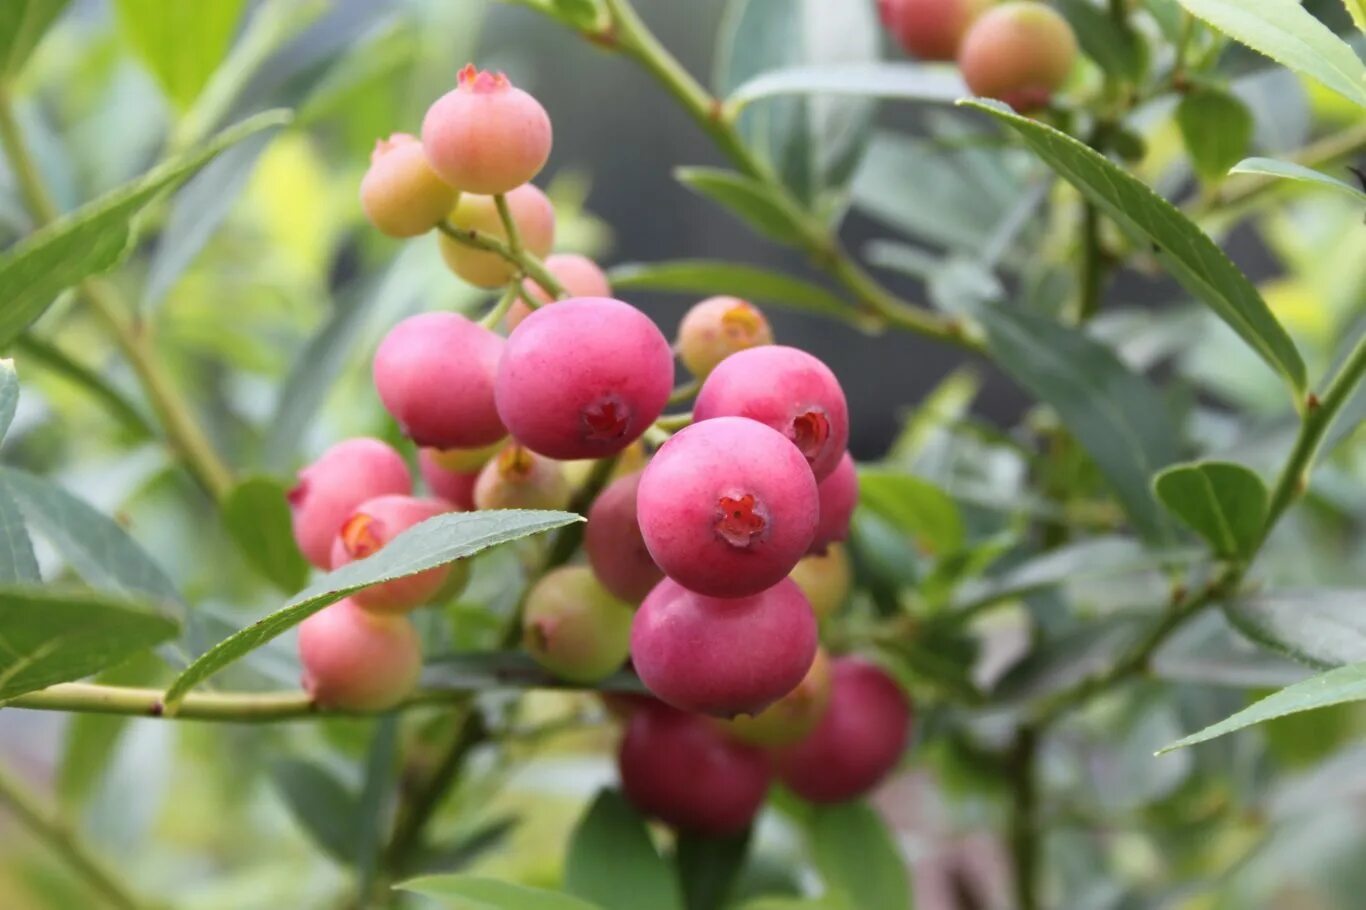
point(486, 136)
point(574, 627)
point(1020, 52)
point(328, 490)
point(578, 275)
point(369, 529)
point(520, 479)
point(716, 328)
point(615, 547)
point(357, 660)
point(531, 212)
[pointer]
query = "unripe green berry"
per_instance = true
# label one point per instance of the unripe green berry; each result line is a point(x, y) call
point(574, 628)
point(1020, 53)
point(716, 328)
point(825, 579)
point(520, 479)
point(531, 212)
point(400, 193)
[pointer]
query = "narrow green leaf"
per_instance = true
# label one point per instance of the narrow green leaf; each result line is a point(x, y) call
point(1191, 257)
point(1336, 687)
point(472, 892)
point(1067, 659)
point(709, 867)
point(432, 543)
point(50, 635)
point(17, 561)
point(857, 858)
point(22, 25)
point(1323, 628)
point(94, 238)
point(512, 669)
point(613, 863)
point(257, 518)
point(321, 804)
point(1217, 128)
point(368, 827)
point(1288, 170)
point(1112, 44)
point(1357, 10)
point(1289, 34)
point(793, 903)
point(34, 350)
point(1223, 502)
point(705, 277)
point(749, 200)
point(915, 506)
point(9, 395)
point(181, 41)
point(898, 81)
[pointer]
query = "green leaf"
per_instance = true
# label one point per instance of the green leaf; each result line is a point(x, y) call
point(1336, 687)
point(1288, 170)
point(22, 25)
point(1217, 128)
point(1223, 502)
point(432, 543)
point(321, 804)
point(1357, 10)
point(1116, 415)
point(95, 547)
point(749, 200)
point(256, 514)
point(709, 867)
point(1065, 660)
point(1289, 34)
point(898, 81)
point(17, 561)
point(9, 395)
point(517, 669)
point(370, 823)
point(51, 635)
point(857, 858)
point(32, 349)
point(1114, 46)
point(915, 506)
point(1187, 253)
point(94, 237)
point(705, 277)
point(472, 892)
point(792, 903)
point(1323, 628)
point(181, 41)
point(613, 863)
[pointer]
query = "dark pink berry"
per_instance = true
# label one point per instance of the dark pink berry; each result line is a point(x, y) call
point(723, 657)
point(616, 550)
point(584, 378)
point(791, 391)
point(357, 660)
point(838, 497)
point(727, 507)
point(485, 136)
point(857, 743)
point(369, 529)
point(456, 487)
point(330, 488)
point(678, 768)
point(435, 373)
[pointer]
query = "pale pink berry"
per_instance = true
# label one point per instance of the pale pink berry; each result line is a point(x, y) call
point(1019, 52)
point(400, 193)
point(368, 529)
point(330, 488)
point(838, 496)
point(723, 657)
point(457, 488)
point(727, 507)
point(435, 373)
point(716, 328)
point(356, 660)
point(615, 547)
point(485, 136)
point(574, 627)
point(531, 212)
point(584, 378)
point(520, 479)
point(578, 275)
point(791, 391)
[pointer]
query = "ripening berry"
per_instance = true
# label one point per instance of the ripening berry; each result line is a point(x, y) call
point(723, 657)
point(584, 378)
point(791, 391)
point(330, 488)
point(727, 507)
point(531, 212)
point(825, 579)
point(465, 461)
point(931, 29)
point(357, 660)
point(839, 496)
point(616, 550)
point(1020, 53)
point(857, 743)
point(791, 717)
point(457, 488)
point(716, 328)
point(400, 193)
point(435, 373)
point(680, 769)
point(520, 479)
point(369, 528)
point(485, 136)
point(574, 628)
point(578, 275)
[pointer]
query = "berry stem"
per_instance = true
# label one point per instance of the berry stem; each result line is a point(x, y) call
point(500, 309)
point(509, 224)
point(685, 391)
point(672, 423)
point(530, 265)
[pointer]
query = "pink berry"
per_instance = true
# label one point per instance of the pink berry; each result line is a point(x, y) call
point(368, 529)
point(435, 373)
point(838, 496)
point(1020, 53)
point(791, 717)
point(616, 549)
point(791, 391)
point(931, 29)
point(456, 488)
point(584, 378)
point(857, 743)
point(485, 136)
point(531, 212)
point(683, 771)
point(520, 479)
point(356, 660)
point(329, 490)
point(716, 328)
point(723, 656)
point(578, 275)
point(727, 507)
point(401, 194)
point(574, 628)
point(825, 579)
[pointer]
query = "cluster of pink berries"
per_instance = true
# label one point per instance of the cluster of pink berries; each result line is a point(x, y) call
point(727, 540)
point(1019, 52)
